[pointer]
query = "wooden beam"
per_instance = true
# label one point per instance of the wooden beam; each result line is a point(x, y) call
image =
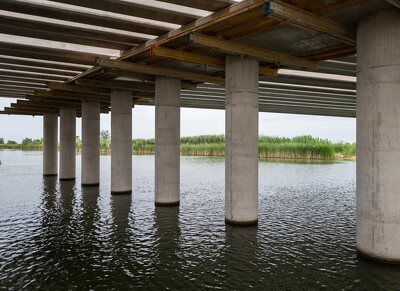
point(40, 64)
point(62, 95)
point(77, 88)
point(198, 25)
point(4, 77)
point(44, 56)
point(90, 97)
point(18, 87)
point(137, 86)
point(36, 70)
point(251, 51)
point(58, 100)
point(143, 77)
point(21, 113)
point(27, 110)
point(21, 84)
point(50, 104)
point(128, 74)
point(201, 59)
point(15, 96)
point(15, 90)
point(209, 5)
point(157, 71)
point(395, 3)
point(215, 18)
point(311, 21)
point(33, 76)
point(187, 57)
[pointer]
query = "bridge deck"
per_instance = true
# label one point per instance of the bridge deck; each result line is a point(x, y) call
point(306, 51)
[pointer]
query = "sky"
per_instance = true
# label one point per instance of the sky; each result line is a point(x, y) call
point(195, 122)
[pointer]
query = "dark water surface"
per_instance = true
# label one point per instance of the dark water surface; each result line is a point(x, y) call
point(56, 236)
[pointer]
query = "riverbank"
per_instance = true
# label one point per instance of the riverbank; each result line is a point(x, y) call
point(301, 147)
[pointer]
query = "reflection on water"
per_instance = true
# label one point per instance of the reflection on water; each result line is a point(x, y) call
point(297, 161)
point(58, 236)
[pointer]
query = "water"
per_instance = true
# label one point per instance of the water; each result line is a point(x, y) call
point(58, 236)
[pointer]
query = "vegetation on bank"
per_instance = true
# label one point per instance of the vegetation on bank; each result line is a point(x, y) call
point(301, 147)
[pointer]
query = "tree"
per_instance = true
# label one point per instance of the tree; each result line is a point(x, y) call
point(27, 141)
point(105, 134)
point(11, 142)
point(1, 140)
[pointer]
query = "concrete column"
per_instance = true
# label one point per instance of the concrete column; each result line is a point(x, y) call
point(90, 143)
point(121, 141)
point(378, 136)
point(241, 145)
point(167, 159)
point(50, 144)
point(67, 143)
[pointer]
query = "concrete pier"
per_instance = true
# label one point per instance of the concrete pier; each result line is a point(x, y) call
point(241, 148)
point(90, 143)
point(121, 141)
point(378, 130)
point(67, 143)
point(50, 144)
point(167, 156)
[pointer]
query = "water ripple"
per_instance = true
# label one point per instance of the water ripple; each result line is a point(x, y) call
point(59, 236)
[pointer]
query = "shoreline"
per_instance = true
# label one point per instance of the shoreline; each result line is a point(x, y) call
point(277, 156)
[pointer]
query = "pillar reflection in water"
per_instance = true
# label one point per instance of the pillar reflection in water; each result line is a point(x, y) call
point(241, 248)
point(90, 211)
point(121, 206)
point(168, 233)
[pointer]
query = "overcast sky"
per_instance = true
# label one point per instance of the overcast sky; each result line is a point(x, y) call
point(195, 122)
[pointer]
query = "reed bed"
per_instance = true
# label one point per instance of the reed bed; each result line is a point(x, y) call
point(30, 147)
point(300, 147)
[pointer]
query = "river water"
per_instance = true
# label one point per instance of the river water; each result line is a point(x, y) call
point(58, 236)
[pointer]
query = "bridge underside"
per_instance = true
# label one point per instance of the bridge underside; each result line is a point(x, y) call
point(81, 58)
point(306, 51)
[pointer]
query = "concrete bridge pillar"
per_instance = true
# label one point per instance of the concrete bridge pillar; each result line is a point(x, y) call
point(167, 158)
point(241, 145)
point(67, 143)
point(90, 143)
point(378, 131)
point(121, 141)
point(50, 144)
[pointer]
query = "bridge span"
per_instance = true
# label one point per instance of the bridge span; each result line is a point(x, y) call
point(68, 58)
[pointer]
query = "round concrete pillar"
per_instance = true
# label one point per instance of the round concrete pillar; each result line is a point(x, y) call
point(241, 145)
point(167, 158)
point(90, 143)
point(378, 131)
point(121, 141)
point(50, 144)
point(67, 143)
